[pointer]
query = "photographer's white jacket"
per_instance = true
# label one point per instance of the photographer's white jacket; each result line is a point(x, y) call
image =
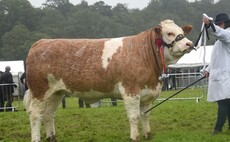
point(219, 67)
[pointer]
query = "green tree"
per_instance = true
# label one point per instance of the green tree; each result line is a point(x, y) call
point(64, 6)
point(83, 23)
point(17, 43)
point(51, 22)
point(102, 8)
point(13, 12)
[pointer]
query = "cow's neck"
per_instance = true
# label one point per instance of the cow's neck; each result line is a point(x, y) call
point(154, 51)
point(148, 42)
point(168, 57)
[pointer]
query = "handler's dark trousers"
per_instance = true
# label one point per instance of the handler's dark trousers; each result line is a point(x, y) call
point(223, 113)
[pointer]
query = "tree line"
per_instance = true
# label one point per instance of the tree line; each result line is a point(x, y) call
point(21, 24)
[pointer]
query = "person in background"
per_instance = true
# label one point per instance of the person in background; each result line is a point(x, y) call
point(114, 102)
point(8, 90)
point(218, 70)
point(81, 104)
point(63, 102)
point(23, 80)
point(2, 101)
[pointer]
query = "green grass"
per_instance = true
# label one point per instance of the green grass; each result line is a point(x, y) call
point(173, 121)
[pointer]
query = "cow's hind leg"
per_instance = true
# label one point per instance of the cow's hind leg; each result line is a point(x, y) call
point(35, 109)
point(145, 121)
point(52, 104)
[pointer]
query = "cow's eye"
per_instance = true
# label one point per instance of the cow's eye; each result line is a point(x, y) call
point(171, 34)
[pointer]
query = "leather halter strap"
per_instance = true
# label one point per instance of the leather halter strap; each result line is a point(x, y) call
point(154, 52)
point(178, 38)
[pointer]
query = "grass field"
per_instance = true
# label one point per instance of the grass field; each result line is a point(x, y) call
point(173, 121)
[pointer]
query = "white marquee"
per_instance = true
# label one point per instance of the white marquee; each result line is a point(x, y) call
point(16, 66)
point(195, 58)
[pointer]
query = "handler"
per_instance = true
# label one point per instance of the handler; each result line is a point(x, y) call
point(218, 70)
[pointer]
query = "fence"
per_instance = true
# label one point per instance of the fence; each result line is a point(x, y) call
point(11, 94)
point(177, 81)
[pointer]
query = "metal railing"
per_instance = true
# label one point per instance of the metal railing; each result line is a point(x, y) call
point(9, 97)
point(178, 81)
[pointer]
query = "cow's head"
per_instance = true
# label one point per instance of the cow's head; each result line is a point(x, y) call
point(175, 42)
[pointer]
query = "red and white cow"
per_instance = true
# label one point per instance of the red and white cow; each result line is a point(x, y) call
point(93, 69)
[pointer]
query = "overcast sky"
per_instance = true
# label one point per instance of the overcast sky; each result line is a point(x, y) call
point(130, 3)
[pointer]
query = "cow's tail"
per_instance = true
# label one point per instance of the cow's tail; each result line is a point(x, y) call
point(27, 99)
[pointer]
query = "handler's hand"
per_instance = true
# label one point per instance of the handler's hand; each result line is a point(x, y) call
point(206, 20)
point(206, 74)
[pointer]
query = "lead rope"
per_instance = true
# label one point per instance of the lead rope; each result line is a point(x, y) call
point(202, 38)
point(173, 95)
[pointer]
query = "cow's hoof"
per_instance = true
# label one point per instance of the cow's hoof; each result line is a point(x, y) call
point(51, 139)
point(148, 136)
point(132, 140)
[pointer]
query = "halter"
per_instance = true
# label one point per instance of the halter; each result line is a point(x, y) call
point(178, 38)
point(160, 43)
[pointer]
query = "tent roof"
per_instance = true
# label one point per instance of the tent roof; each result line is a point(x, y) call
point(16, 66)
point(194, 58)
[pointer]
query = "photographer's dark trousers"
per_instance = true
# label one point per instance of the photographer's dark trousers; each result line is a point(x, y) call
point(6, 95)
point(1, 102)
point(114, 102)
point(9, 102)
point(81, 104)
point(223, 113)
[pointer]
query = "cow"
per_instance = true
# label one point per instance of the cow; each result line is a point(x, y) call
point(127, 68)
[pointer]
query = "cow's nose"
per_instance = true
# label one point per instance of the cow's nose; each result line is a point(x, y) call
point(190, 45)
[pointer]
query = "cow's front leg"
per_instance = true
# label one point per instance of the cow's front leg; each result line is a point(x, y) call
point(145, 121)
point(132, 105)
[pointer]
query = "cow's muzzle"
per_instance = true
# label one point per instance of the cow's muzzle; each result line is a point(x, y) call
point(189, 49)
point(192, 48)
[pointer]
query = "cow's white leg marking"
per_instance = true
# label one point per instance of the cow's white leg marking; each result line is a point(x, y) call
point(44, 109)
point(27, 100)
point(147, 96)
point(132, 105)
point(53, 98)
point(110, 48)
point(36, 110)
point(145, 121)
point(51, 106)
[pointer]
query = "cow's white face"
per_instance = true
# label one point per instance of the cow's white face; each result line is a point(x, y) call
point(171, 33)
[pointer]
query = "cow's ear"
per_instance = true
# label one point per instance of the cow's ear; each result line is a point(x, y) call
point(157, 30)
point(187, 29)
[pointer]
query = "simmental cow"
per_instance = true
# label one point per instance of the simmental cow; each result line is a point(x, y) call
point(125, 68)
